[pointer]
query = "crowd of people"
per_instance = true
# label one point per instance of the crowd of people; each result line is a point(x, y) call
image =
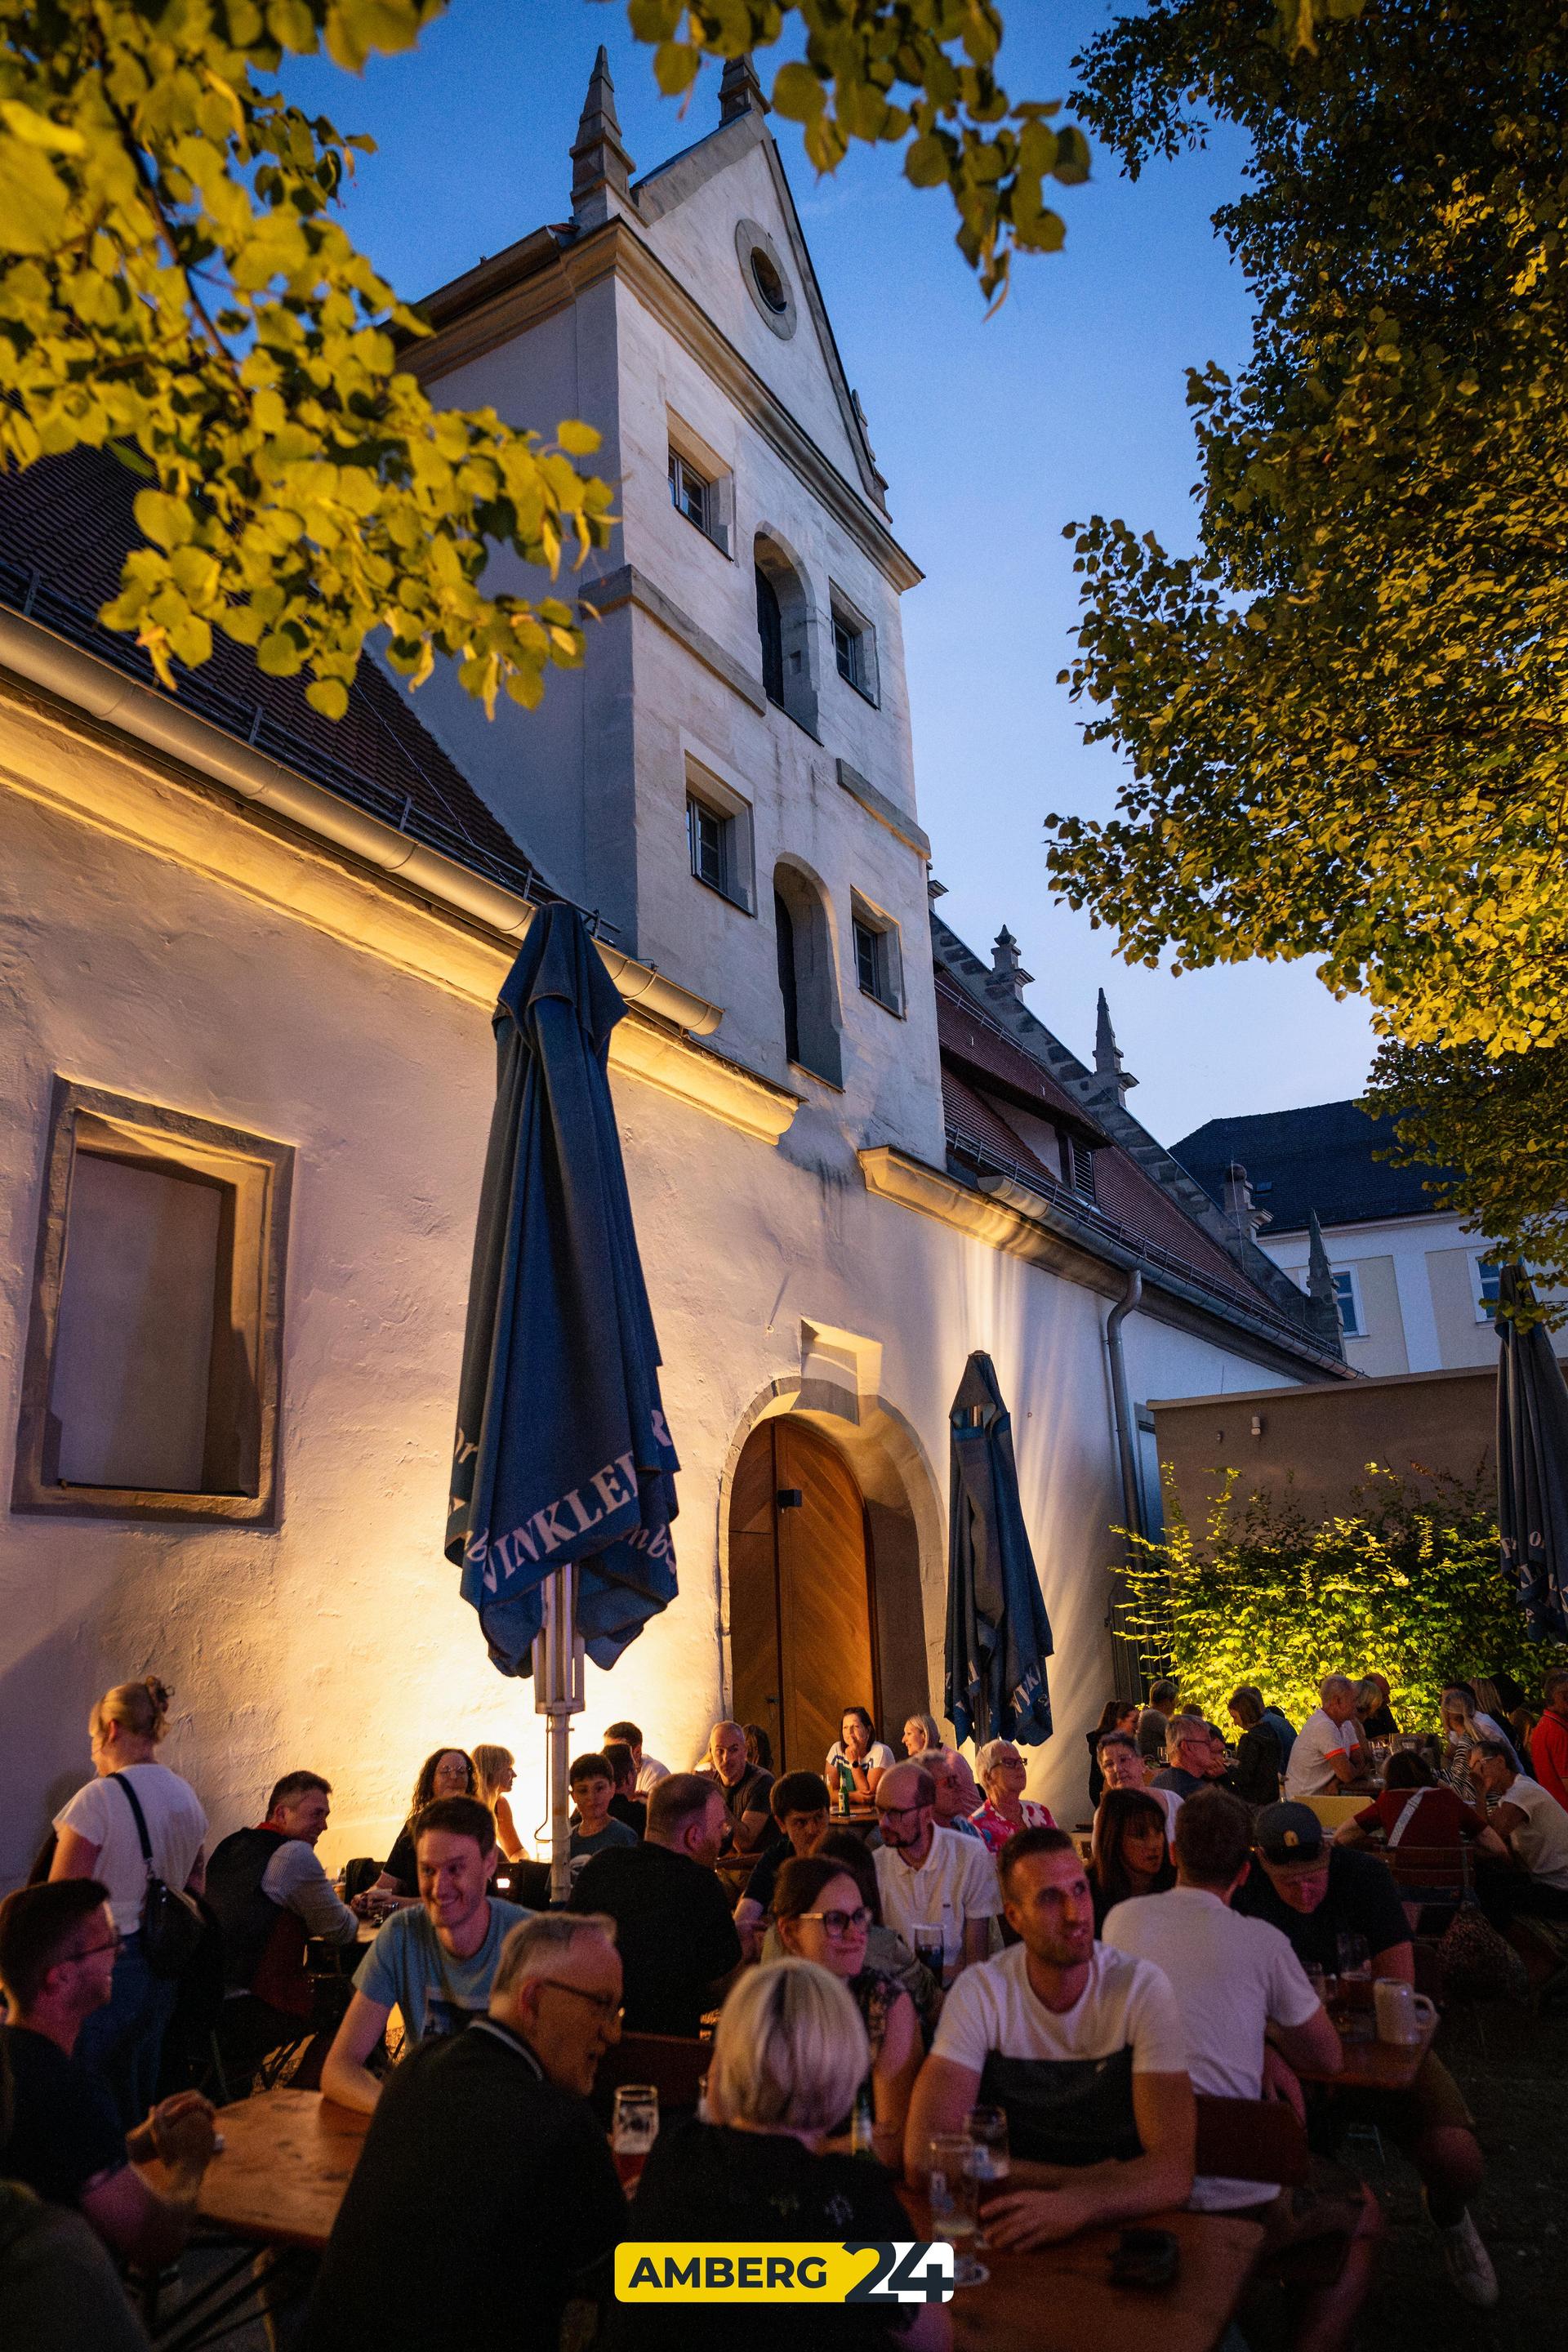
point(885, 1946)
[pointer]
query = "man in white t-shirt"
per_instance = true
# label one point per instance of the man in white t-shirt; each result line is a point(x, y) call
point(931, 1877)
point(1081, 2045)
point(1532, 1825)
point(1328, 1753)
point(1240, 1987)
point(1125, 1768)
point(649, 1770)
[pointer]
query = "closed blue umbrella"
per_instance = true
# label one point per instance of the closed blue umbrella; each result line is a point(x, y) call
point(998, 1635)
point(1532, 1463)
point(562, 1459)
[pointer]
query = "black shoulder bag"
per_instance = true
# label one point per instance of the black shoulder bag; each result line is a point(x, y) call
point(172, 1925)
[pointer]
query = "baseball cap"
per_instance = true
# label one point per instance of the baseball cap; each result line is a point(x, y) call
point(1287, 1834)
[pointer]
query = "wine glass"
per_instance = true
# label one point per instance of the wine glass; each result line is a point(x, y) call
point(953, 2189)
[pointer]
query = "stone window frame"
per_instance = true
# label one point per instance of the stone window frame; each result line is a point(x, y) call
point(733, 811)
point(884, 929)
point(751, 237)
point(700, 457)
point(845, 614)
point(259, 1172)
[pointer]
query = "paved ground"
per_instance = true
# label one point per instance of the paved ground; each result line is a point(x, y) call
point(1513, 2070)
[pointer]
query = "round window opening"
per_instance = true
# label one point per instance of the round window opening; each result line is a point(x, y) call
point(769, 284)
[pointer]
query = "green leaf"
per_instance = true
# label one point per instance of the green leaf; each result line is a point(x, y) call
point(167, 521)
point(798, 93)
point(37, 130)
point(34, 202)
point(577, 439)
point(330, 696)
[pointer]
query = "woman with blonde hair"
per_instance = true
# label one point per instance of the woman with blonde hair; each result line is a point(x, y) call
point(99, 1834)
point(789, 2056)
point(495, 1771)
point(920, 1732)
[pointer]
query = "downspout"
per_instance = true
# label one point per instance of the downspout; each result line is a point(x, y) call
point(1123, 1666)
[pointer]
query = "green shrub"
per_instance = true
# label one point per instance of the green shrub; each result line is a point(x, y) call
point(1412, 1587)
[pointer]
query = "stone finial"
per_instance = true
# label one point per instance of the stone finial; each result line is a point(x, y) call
point(1238, 1203)
point(1321, 1285)
point(740, 91)
point(599, 160)
point(1107, 1069)
point(1008, 977)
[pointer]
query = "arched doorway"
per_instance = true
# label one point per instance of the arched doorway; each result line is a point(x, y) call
point(801, 1609)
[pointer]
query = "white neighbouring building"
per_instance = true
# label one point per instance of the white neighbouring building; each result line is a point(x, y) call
point(246, 970)
point(1415, 1287)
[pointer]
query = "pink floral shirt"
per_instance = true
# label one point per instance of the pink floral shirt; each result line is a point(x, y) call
point(996, 1828)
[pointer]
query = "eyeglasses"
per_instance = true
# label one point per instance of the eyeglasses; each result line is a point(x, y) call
point(839, 1922)
point(605, 2004)
point(90, 1951)
point(900, 1812)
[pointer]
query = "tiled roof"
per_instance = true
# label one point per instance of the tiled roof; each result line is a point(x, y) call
point(969, 1037)
point(985, 1074)
point(66, 525)
point(1321, 1157)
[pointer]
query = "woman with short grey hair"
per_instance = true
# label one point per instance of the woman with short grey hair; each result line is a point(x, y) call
point(789, 2055)
point(1001, 1772)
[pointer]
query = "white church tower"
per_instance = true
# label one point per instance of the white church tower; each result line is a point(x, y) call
point(730, 779)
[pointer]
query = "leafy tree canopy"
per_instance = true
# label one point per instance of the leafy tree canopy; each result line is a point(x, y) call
point(1410, 1585)
point(1345, 715)
point(174, 283)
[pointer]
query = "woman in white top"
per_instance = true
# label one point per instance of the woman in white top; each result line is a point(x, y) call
point(97, 1837)
point(864, 1757)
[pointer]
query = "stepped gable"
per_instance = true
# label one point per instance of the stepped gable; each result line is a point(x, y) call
point(66, 527)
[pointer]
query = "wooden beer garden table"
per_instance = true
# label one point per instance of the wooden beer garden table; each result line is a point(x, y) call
point(1373, 2065)
point(280, 2177)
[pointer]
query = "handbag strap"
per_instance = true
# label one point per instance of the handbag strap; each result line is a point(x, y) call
point(1408, 1814)
point(135, 1802)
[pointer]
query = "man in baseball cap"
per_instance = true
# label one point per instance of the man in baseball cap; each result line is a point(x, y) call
point(1315, 1893)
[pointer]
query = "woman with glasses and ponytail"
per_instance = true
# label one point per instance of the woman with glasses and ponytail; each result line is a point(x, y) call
point(821, 1916)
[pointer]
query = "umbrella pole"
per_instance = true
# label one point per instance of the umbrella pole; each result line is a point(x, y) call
point(558, 1696)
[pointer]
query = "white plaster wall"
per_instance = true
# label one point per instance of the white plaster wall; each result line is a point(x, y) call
point(337, 1640)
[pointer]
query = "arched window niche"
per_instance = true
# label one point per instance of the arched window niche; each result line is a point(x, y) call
point(807, 985)
point(786, 630)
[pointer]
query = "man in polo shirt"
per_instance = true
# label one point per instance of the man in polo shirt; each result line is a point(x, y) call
point(485, 2200)
point(1083, 2049)
point(1239, 1987)
point(1327, 1752)
point(929, 1877)
point(1314, 1893)
point(434, 1961)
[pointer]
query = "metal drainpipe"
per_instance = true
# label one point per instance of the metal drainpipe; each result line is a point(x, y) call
point(1124, 1670)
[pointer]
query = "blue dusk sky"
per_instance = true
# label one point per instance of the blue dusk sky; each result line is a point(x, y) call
point(993, 434)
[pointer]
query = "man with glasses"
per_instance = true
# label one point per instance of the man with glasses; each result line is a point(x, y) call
point(436, 1960)
point(57, 1948)
point(930, 1878)
point(485, 2200)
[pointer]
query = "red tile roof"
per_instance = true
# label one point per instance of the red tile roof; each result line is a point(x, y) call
point(66, 525)
point(970, 1038)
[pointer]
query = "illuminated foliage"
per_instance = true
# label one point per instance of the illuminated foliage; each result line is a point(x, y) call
point(1345, 716)
point(1412, 1587)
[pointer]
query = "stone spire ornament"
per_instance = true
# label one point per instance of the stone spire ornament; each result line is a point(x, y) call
point(1321, 1285)
point(600, 165)
point(1008, 977)
point(1113, 1079)
point(740, 91)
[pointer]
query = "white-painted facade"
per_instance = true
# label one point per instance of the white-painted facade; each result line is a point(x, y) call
point(806, 1245)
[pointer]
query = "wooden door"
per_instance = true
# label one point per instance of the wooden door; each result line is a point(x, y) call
point(801, 1620)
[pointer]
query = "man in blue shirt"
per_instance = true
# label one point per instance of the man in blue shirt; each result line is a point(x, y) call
point(434, 1963)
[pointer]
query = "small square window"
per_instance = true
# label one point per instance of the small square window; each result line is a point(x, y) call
point(1347, 1298)
point(1486, 1274)
point(854, 647)
point(691, 493)
point(708, 837)
point(846, 649)
point(870, 960)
